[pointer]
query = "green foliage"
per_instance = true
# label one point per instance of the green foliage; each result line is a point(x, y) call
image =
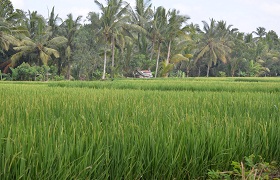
point(252, 168)
point(140, 61)
point(25, 72)
point(254, 69)
point(126, 38)
point(222, 74)
point(14, 74)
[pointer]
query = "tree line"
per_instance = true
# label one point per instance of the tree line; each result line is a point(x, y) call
point(120, 39)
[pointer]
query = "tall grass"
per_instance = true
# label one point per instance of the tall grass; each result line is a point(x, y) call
point(50, 132)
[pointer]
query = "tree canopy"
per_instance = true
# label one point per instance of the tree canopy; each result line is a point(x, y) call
point(122, 39)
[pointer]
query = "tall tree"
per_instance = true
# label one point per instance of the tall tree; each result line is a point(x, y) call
point(142, 16)
point(260, 32)
point(175, 31)
point(157, 32)
point(113, 17)
point(54, 21)
point(70, 27)
point(40, 47)
point(214, 45)
point(6, 36)
point(175, 28)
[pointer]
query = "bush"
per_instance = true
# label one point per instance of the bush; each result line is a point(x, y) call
point(25, 72)
point(253, 167)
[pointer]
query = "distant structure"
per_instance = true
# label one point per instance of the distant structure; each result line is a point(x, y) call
point(143, 74)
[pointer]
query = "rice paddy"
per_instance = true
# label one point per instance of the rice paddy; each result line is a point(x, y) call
point(136, 129)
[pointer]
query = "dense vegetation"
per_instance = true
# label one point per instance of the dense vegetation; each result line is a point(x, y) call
point(121, 38)
point(136, 129)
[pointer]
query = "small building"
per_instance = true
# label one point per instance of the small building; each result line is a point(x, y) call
point(143, 74)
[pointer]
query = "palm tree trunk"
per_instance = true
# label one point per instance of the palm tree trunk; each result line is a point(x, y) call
point(157, 60)
point(168, 57)
point(169, 52)
point(208, 69)
point(68, 70)
point(113, 58)
point(139, 43)
point(152, 52)
point(59, 66)
point(104, 66)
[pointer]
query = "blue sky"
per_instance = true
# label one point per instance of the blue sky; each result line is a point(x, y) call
point(246, 15)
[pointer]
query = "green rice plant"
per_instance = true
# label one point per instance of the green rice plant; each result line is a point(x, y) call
point(129, 132)
point(192, 84)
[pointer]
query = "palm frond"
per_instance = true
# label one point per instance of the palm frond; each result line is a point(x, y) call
point(178, 58)
point(25, 48)
point(16, 57)
point(202, 52)
point(57, 41)
point(50, 51)
point(28, 42)
point(44, 57)
point(166, 68)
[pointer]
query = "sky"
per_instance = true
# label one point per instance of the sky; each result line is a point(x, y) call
point(246, 15)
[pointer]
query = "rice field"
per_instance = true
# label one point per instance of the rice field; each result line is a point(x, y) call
point(136, 129)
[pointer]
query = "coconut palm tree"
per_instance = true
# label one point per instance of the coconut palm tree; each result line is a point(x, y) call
point(9, 25)
point(272, 40)
point(175, 35)
point(6, 36)
point(70, 27)
point(214, 45)
point(142, 15)
point(260, 32)
point(174, 29)
point(11, 30)
point(113, 17)
point(41, 47)
point(54, 21)
point(157, 32)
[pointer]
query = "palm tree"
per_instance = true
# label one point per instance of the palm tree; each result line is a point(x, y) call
point(11, 30)
point(157, 32)
point(9, 26)
point(112, 19)
point(71, 27)
point(53, 21)
point(174, 29)
point(272, 40)
point(174, 35)
point(142, 16)
point(214, 45)
point(6, 36)
point(35, 24)
point(41, 46)
point(260, 32)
